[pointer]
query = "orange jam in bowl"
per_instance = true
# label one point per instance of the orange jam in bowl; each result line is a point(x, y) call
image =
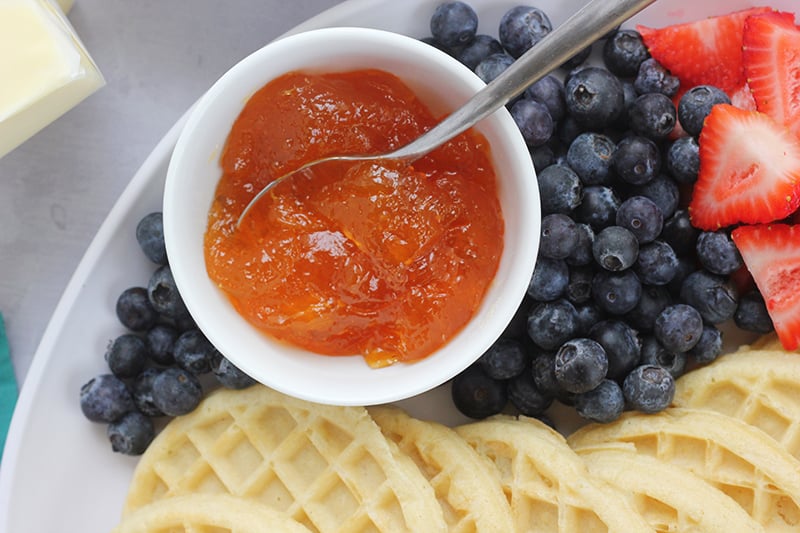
point(387, 261)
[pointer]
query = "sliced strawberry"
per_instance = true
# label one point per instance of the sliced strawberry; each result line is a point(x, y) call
point(771, 58)
point(743, 98)
point(749, 170)
point(703, 52)
point(772, 254)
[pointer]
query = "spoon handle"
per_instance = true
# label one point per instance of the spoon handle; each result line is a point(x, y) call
point(587, 25)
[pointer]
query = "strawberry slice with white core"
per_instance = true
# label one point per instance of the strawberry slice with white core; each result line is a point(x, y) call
point(749, 170)
point(772, 255)
point(703, 52)
point(771, 58)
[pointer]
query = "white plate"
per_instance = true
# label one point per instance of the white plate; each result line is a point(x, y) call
point(58, 471)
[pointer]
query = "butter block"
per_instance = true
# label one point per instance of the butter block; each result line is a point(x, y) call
point(45, 69)
point(65, 5)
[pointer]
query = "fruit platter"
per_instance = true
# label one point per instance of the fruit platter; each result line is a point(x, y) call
point(648, 381)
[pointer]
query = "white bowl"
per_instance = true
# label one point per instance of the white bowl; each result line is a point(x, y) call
point(194, 171)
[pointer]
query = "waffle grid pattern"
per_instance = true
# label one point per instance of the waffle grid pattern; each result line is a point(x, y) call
point(549, 487)
point(752, 390)
point(749, 467)
point(318, 472)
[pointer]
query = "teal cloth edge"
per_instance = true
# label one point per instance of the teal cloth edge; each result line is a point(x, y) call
point(8, 387)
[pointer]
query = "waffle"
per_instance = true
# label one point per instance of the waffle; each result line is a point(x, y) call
point(670, 498)
point(759, 387)
point(329, 468)
point(742, 461)
point(466, 484)
point(548, 485)
point(205, 513)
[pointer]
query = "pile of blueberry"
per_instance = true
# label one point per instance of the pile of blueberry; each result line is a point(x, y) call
point(158, 367)
point(626, 292)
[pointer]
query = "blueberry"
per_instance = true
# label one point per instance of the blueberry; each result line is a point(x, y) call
point(652, 301)
point(578, 59)
point(654, 353)
point(229, 375)
point(454, 24)
point(580, 365)
point(550, 324)
point(193, 352)
point(543, 156)
point(615, 248)
point(560, 189)
point(717, 253)
point(582, 254)
point(160, 340)
point(543, 371)
point(549, 90)
point(142, 391)
point(663, 191)
point(657, 263)
point(652, 77)
point(695, 105)
point(616, 293)
point(549, 280)
point(603, 404)
point(589, 314)
point(715, 297)
point(494, 65)
point(134, 309)
point(579, 286)
point(105, 398)
point(679, 233)
point(481, 47)
point(594, 97)
point(176, 392)
point(636, 160)
point(436, 44)
point(649, 388)
point(533, 120)
point(150, 236)
point(622, 346)
point(521, 27)
point(678, 327)
point(687, 264)
point(526, 396)
point(709, 347)
point(598, 207)
point(642, 217)
point(751, 314)
point(163, 294)
point(127, 355)
point(623, 52)
point(559, 236)
point(567, 129)
point(589, 155)
point(505, 359)
point(131, 434)
point(476, 395)
point(683, 160)
point(517, 327)
point(652, 115)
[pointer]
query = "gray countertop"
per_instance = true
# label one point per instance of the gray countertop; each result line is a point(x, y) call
point(158, 57)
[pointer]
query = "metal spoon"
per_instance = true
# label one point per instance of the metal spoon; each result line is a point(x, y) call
point(594, 20)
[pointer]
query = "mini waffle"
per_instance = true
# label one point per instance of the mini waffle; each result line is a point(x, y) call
point(466, 484)
point(670, 498)
point(329, 468)
point(742, 461)
point(760, 387)
point(548, 485)
point(206, 513)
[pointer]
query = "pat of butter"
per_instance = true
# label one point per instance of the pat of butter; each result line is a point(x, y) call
point(44, 68)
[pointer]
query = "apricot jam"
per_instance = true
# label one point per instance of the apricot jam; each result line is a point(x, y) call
point(387, 261)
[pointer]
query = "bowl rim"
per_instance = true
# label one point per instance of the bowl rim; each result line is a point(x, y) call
point(426, 375)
